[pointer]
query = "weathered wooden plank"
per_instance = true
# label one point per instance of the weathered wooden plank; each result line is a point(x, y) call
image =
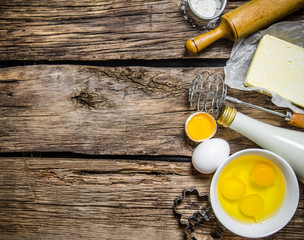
point(67, 198)
point(100, 30)
point(100, 110)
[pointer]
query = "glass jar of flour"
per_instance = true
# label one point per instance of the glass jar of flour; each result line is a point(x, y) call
point(203, 11)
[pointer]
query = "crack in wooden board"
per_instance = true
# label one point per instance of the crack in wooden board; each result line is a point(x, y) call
point(92, 109)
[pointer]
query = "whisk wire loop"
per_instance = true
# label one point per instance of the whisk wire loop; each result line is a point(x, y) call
point(207, 92)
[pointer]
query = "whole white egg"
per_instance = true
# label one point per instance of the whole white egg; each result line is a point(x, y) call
point(208, 155)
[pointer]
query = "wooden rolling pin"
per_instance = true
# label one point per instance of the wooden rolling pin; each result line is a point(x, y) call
point(245, 20)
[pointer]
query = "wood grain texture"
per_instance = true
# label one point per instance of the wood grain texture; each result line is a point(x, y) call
point(103, 110)
point(100, 30)
point(68, 198)
point(98, 110)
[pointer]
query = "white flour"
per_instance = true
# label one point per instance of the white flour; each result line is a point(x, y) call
point(205, 8)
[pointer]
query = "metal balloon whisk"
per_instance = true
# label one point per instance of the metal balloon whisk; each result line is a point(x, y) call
point(207, 93)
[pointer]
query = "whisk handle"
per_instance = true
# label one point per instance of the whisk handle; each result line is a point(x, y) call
point(297, 120)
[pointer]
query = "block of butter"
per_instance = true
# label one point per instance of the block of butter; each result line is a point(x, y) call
point(278, 66)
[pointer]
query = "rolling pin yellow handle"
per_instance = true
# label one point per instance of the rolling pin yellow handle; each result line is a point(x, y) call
point(297, 120)
point(196, 44)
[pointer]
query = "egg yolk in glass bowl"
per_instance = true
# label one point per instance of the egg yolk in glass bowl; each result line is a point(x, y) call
point(251, 189)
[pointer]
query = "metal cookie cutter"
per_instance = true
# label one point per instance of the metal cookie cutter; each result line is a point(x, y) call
point(198, 217)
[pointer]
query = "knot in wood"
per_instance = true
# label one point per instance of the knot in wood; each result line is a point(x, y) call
point(89, 98)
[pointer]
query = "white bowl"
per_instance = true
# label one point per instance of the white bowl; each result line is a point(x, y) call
point(275, 223)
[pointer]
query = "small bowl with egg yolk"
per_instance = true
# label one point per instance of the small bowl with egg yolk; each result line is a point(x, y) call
point(254, 193)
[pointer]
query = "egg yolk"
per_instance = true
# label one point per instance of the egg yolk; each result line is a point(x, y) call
point(233, 188)
point(201, 126)
point(264, 191)
point(262, 174)
point(253, 206)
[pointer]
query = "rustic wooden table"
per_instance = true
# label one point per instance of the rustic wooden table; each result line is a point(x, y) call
point(93, 101)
